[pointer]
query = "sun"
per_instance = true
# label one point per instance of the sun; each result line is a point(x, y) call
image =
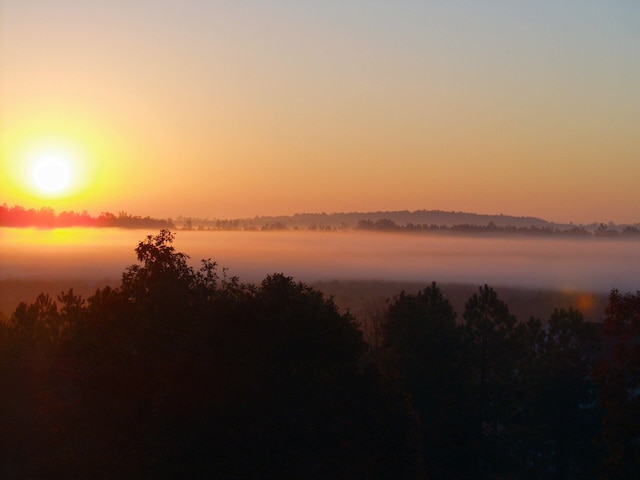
point(52, 174)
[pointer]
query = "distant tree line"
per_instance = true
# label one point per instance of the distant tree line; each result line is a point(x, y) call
point(188, 373)
point(602, 230)
point(388, 225)
point(17, 216)
point(379, 223)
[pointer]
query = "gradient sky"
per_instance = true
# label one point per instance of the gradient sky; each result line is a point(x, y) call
point(237, 108)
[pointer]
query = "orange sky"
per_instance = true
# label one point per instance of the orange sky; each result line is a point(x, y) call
point(226, 109)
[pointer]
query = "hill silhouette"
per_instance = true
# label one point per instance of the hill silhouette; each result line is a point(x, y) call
point(427, 221)
point(350, 220)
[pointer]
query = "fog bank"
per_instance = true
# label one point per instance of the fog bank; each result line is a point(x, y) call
point(596, 265)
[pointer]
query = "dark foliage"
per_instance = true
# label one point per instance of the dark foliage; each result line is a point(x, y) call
point(424, 344)
point(619, 381)
point(185, 373)
point(497, 399)
point(558, 418)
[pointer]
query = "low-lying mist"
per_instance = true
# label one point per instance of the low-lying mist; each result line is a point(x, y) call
point(596, 265)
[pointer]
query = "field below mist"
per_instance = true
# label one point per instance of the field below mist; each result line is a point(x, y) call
point(366, 299)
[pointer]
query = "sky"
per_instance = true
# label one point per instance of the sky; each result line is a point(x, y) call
point(227, 109)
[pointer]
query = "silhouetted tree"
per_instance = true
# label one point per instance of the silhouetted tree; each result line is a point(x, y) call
point(491, 345)
point(186, 373)
point(423, 343)
point(619, 382)
point(558, 419)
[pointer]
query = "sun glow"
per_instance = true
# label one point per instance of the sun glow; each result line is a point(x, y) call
point(67, 164)
point(55, 170)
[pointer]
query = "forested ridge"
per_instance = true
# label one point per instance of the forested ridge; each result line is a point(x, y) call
point(183, 372)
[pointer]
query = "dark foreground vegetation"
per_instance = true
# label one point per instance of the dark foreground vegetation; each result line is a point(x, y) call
point(188, 373)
